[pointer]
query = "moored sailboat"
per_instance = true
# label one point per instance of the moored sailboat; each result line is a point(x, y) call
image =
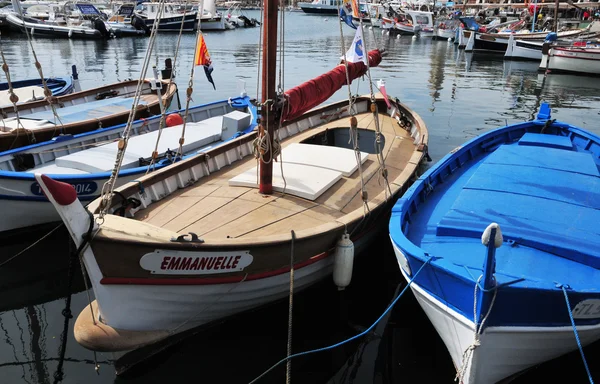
point(205, 243)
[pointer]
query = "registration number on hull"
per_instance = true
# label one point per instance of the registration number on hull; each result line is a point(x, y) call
point(587, 309)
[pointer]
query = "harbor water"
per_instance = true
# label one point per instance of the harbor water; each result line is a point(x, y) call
point(459, 96)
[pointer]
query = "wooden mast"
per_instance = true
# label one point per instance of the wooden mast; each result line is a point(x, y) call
point(269, 64)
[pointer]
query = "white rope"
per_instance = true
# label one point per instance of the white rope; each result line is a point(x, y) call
point(163, 114)
point(14, 100)
point(468, 353)
point(47, 93)
point(108, 187)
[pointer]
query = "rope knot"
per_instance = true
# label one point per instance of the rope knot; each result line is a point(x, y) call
point(67, 313)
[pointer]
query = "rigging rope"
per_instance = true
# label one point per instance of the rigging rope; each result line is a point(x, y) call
point(49, 98)
point(352, 113)
point(14, 99)
point(163, 114)
point(383, 172)
point(108, 187)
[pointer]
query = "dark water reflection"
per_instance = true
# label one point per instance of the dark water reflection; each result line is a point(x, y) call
point(458, 95)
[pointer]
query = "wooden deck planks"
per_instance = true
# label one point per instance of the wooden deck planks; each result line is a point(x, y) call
point(215, 210)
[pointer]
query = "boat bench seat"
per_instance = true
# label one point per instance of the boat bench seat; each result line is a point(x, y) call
point(102, 158)
point(531, 191)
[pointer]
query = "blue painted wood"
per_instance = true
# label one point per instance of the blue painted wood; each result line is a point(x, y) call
point(541, 140)
point(543, 190)
point(58, 85)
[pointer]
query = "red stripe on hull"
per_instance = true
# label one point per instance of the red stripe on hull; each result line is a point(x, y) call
point(576, 57)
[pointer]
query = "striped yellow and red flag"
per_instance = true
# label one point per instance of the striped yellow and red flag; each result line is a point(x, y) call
point(202, 56)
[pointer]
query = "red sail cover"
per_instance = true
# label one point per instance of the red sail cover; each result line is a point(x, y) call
point(314, 92)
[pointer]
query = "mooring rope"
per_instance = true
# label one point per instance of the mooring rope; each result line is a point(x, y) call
point(478, 329)
point(288, 368)
point(587, 369)
point(366, 331)
point(30, 246)
point(66, 312)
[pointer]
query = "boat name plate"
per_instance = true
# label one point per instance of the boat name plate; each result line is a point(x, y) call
point(170, 262)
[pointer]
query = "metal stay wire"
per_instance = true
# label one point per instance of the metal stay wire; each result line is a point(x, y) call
point(108, 187)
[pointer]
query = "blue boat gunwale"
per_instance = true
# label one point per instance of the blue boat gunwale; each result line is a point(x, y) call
point(237, 102)
point(404, 207)
point(65, 84)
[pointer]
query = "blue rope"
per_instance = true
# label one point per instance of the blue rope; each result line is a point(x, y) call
point(350, 339)
point(587, 369)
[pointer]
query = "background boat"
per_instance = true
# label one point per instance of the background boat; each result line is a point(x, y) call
point(32, 89)
point(80, 112)
point(85, 160)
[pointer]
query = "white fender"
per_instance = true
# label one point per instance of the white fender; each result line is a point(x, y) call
point(471, 42)
point(343, 262)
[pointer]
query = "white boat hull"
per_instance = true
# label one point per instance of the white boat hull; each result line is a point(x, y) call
point(213, 24)
point(523, 50)
point(20, 211)
point(445, 34)
point(176, 308)
point(503, 351)
point(580, 61)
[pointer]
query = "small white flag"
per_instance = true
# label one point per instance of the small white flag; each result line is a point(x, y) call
point(357, 52)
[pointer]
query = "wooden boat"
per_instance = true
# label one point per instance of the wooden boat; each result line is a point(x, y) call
point(528, 192)
point(32, 89)
point(80, 112)
point(582, 60)
point(168, 280)
point(85, 160)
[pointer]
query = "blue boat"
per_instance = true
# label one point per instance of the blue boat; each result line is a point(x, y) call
point(86, 160)
point(32, 89)
point(530, 192)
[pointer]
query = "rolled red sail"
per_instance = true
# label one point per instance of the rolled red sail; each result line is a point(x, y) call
point(314, 92)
